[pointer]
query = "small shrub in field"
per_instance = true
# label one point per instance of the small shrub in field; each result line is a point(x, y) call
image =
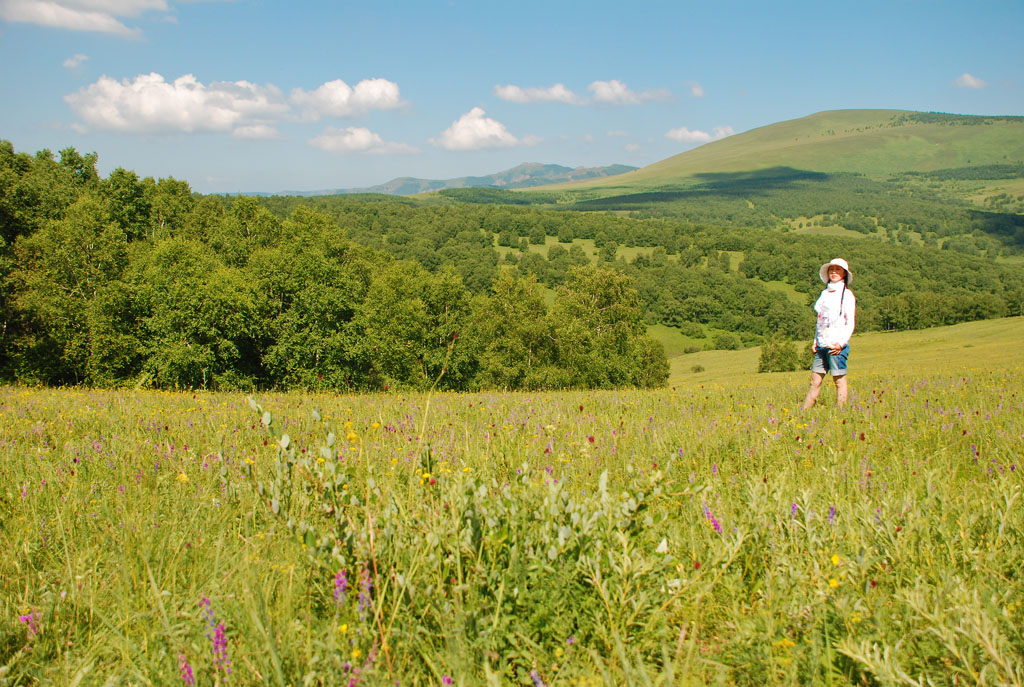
point(697, 368)
point(691, 349)
point(691, 329)
point(778, 356)
point(727, 341)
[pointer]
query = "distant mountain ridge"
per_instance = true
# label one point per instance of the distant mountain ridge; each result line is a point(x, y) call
point(525, 175)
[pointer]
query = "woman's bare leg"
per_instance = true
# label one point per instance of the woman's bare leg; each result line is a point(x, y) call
point(841, 390)
point(814, 390)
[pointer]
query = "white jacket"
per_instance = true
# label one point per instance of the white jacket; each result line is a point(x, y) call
point(836, 308)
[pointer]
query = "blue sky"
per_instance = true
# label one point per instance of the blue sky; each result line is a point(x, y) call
point(255, 95)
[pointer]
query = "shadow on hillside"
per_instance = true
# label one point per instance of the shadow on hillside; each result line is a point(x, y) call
point(1005, 227)
point(734, 184)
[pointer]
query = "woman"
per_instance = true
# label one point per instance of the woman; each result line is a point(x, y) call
point(836, 307)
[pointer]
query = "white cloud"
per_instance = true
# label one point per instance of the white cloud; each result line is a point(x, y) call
point(696, 90)
point(615, 92)
point(256, 131)
point(966, 80)
point(555, 94)
point(103, 16)
point(684, 135)
point(338, 99)
point(357, 140)
point(74, 61)
point(631, 147)
point(473, 131)
point(150, 104)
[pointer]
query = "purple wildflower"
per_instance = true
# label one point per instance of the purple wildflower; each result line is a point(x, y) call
point(714, 523)
point(793, 509)
point(186, 671)
point(365, 584)
point(446, 679)
point(340, 585)
point(219, 639)
point(831, 514)
point(537, 682)
point(220, 650)
point(32, 621)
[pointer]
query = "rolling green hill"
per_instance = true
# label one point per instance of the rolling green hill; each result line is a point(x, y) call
point(874, 143)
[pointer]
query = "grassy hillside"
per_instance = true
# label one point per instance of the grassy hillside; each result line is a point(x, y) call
point(990, 343)
point(875, 143)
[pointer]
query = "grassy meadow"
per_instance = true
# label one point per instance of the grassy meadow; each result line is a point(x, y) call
point(707, 533)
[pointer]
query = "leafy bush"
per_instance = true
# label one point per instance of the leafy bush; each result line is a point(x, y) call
point(727, 341)
point(778, 356)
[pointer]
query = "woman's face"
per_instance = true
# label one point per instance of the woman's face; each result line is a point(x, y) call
point(836, 273)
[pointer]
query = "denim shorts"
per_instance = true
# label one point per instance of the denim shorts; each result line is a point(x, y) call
point(824, 361)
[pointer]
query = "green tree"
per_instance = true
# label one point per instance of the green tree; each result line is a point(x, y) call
point(197, 318)
point(59, 270)
point(514, 343)
point(778, 355)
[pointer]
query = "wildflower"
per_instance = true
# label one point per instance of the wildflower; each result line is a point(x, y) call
point(793, 509)
point(446, 679)
point(187, 677)
point(366, 584)
point(343, 628)
point(340, 585)
point(31, 619)
point(537, 682)
point(833, 583)
point(835, 559)
point(831, 514)
point(182, 477)
point(220, 649)
point(356, 653)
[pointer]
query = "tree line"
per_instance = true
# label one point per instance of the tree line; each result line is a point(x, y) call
point(129, 281)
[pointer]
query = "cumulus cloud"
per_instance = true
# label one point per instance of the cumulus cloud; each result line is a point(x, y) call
point(74, 61)
point(357, 140)
point(555, 94)
point(338, 99)
point(615, 92)
point(102, 16)
point(966, 80)
point(149, 103)
point(474, 131)
point(256, 131)
point(684, 135)
point(696, 90)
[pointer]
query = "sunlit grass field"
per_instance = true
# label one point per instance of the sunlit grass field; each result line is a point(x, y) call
point(706, 533)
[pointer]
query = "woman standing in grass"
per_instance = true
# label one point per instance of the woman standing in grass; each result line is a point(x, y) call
point(836, 307)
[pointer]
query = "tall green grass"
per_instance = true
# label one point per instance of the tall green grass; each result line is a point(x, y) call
point(704, 534)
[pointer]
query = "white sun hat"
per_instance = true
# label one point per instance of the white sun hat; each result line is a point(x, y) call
point(823, 272)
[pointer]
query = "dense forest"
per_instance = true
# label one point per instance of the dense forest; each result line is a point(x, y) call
point(135, 281)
